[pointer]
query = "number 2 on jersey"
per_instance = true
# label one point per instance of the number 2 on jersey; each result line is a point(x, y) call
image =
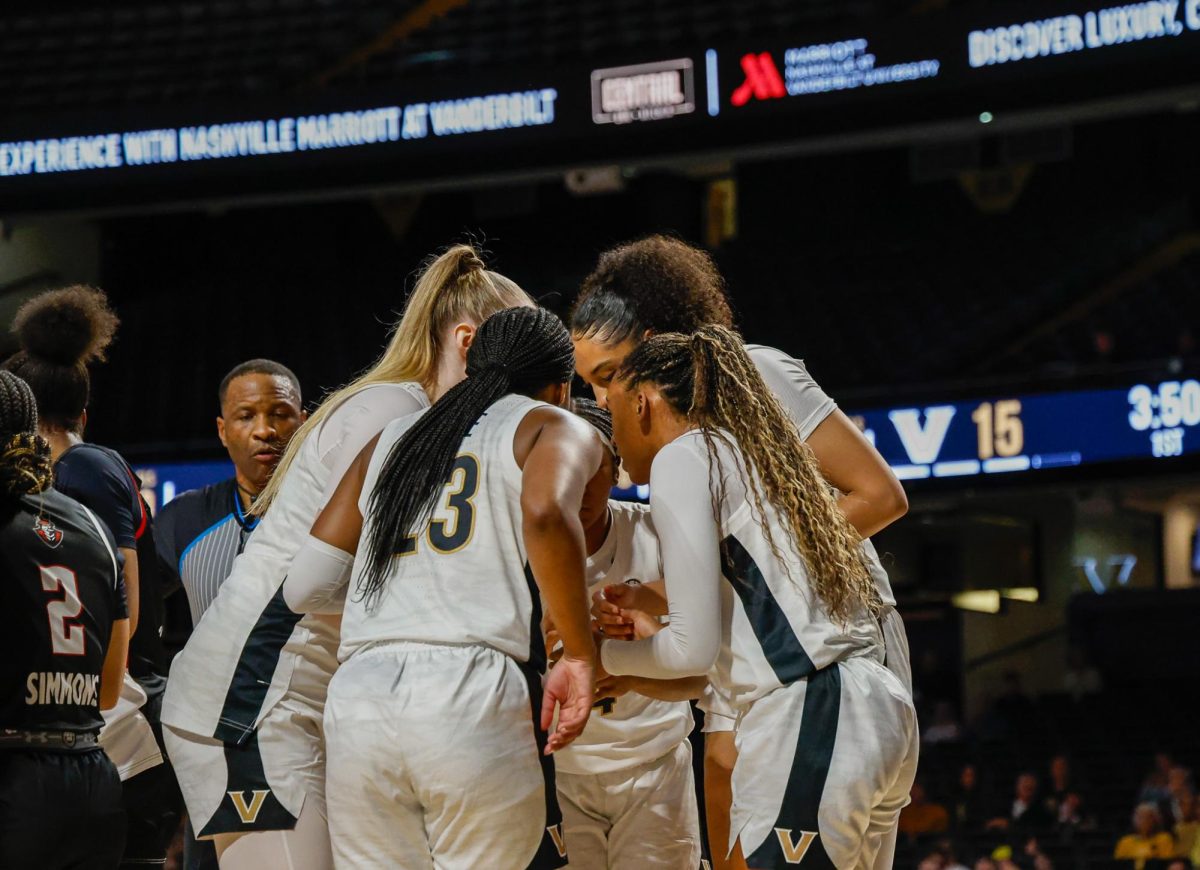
point(450, 536)
point(67, 637)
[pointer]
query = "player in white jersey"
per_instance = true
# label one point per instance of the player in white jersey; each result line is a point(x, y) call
point(459, 517)
point(661, 284)
point(769, 594)
point(245, 699)
point(626, 786)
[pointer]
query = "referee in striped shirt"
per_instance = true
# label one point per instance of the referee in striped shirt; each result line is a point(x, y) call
point(200, 533)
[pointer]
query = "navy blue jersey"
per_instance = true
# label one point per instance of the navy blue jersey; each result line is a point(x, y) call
point(61, 590)
point(198, 535)
point(101, 480)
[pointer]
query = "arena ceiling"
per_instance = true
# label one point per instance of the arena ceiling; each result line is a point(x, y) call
point(87, 56)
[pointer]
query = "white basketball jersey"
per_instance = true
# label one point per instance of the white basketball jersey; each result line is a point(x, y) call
point(464, 577)
point(632, 729)
point(239, 661)
point(775, 629)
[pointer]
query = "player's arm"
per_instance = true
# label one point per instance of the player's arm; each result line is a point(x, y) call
point(565, 454)
point(320, 572)
point(872, 496)
point(681, 505)
point(130, 571)
point(113, 673)
point(681, 689)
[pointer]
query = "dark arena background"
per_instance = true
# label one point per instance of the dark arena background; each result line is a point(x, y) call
point(977, 222)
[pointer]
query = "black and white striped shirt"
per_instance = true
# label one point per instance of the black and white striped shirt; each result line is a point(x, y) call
point(198, 535)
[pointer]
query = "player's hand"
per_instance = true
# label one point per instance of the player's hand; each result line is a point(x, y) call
point(644, 625)
point(627, 611)
point(610, 686)
point(650, 598)
point(571, 686)
point(606, 616)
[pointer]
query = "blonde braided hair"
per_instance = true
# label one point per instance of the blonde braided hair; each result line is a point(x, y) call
point(708, 377)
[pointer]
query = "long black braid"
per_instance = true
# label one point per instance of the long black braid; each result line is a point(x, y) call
point(25, 466)
point(519, 350)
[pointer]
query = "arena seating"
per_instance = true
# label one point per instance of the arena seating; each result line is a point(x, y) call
point(1110, 739)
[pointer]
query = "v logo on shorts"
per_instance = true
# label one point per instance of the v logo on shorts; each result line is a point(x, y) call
point(793, 852)
point(555, 832)
point(249, 812)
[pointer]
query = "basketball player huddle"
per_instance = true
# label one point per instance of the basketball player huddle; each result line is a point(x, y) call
point(445, 647)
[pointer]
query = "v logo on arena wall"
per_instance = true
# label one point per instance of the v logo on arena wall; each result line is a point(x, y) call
point(555, 832)
point(793, 851)
point(249, 812)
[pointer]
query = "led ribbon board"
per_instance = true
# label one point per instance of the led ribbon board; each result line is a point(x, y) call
point(946, 65)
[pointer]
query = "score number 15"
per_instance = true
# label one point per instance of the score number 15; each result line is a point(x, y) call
point(1001, 432)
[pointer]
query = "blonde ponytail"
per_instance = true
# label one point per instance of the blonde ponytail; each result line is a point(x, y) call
point(453, 286)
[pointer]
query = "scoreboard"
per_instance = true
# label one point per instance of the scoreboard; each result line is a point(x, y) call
point(969, 66)
point(1004, 434)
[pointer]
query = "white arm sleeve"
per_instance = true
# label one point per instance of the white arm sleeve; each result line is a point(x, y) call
point(350, 427)
point(803, 399)
point(317, 580)
point(681, 506)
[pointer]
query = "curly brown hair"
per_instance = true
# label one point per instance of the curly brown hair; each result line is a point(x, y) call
point(657, 284)
point(708, 377)
point(61, 332)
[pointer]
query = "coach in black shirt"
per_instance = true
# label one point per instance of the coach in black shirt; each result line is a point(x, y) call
point(201, 532)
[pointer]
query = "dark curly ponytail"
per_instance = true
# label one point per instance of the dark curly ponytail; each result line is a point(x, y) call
point(61, 332)
point(656, 284)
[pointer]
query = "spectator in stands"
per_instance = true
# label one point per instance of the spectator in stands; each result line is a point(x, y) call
point(1070, 814)
point(1187, 828)
point(985, 862)
point(1080, 678)
point(942, 858)
point(967, 806)
point(946, 849)
point(1179, 786)
point(1148, 839)
point(1035, 858)
point(1026, 812)
point(945, 727)
point(1179, 864)
point(922, 816)
point(1155, 788)
point(1064, 799)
